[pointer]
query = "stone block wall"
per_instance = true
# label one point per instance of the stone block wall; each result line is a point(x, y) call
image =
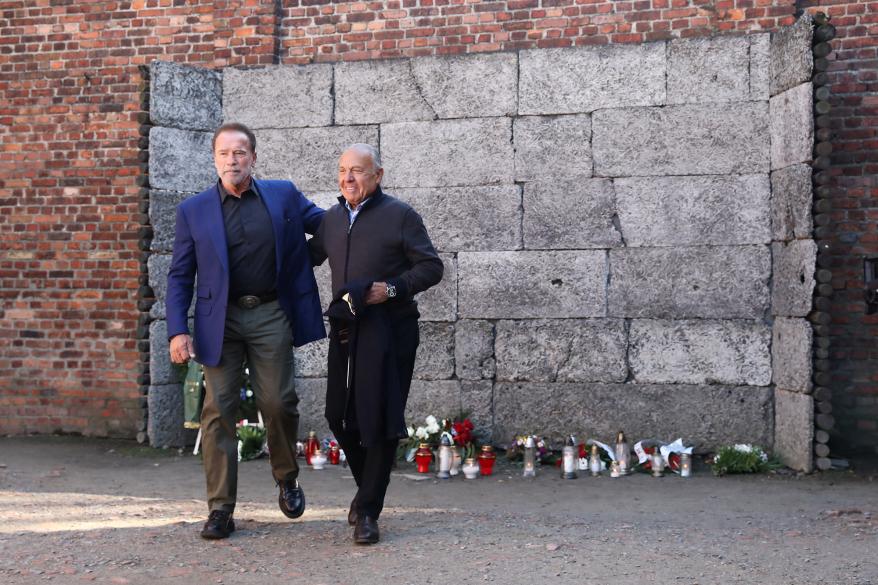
point(605, 216)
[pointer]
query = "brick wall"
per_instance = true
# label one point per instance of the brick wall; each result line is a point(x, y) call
point(69, 103)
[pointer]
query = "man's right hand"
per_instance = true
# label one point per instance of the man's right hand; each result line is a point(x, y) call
point(182, 349)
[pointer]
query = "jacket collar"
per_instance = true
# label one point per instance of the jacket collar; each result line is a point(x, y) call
point(376, 196)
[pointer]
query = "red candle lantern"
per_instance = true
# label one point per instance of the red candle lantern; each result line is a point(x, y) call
point(486, 460)
point(423, 458)
point(334, 455)
point(311, 445)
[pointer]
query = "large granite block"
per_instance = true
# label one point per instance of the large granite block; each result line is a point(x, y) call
point(312, 405)
point(791, 57)
point(310, 359)
point(447, 153)
point(469, 218)
point(705, 282)
point(694, 139)
point(760, 65)
point(158, 265)
point(435, 357)
point(441, 398)
point(791, 354)
point(700, 352)
point(468, 86)
point(681, 211)
point(793, 283)
point(791, 199)
point(308, 156)
point(794, 429)
point(570, 214)
point(374, 92)
point(561, 350)
point(278, 97)
point(713, 69)
point(477, 402)
point(182, 96)
point(565, 81)
point(440, 302)
point(161, 370)
point(704, 416)
point(323, 276)
point(180, 160)
point(163, 218)
point(791, 126)
point(526, 285)
point(474, 349)
point(549, 147)
point(165, 423)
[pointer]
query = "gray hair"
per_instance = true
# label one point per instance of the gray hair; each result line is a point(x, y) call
point(368, 150)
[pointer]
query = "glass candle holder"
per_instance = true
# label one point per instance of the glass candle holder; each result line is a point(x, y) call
point(615, 469)
point(568, 460)
point(318, 459)
point(530, 458)
point(311, 445)
point(470, 468)
point(594, 461)
point(444, 459)
point(423, 458)
point(486, 460)
point(658, 463)
point(685, 465)
point(623, 454)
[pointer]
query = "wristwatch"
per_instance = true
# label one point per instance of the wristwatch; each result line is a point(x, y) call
point(391, 291)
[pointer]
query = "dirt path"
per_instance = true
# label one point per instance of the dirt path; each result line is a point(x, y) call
point(90, 511)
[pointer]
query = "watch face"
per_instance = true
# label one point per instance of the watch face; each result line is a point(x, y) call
point(391, 291)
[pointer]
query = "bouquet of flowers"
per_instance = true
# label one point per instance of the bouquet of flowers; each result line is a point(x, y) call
point(462, 436)
point(543, 452)
point(741, 458)
point(251, 441)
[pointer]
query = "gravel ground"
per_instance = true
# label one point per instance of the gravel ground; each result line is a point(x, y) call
point(78, 510)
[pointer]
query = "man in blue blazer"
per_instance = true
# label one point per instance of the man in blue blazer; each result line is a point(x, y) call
point(244, 239)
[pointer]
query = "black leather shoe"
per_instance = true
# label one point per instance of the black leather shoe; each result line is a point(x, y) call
point(219, 525)
point(366, 530)
point(291, 499)
point(352, 513)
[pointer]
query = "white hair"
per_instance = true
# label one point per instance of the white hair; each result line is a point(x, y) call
point(368, 150)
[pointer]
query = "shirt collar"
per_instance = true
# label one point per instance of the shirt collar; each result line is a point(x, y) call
point(224, 193)
point(374, 195)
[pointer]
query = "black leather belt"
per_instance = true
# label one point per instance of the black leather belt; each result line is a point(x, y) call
point(253, 301)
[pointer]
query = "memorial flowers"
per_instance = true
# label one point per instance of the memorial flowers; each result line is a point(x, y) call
point(741, 458)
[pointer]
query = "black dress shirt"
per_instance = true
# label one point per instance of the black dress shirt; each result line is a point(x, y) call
point(250, 241)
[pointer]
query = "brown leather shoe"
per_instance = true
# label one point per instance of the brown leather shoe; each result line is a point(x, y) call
point(352, 512)
point(366, 530)
point(219, 525)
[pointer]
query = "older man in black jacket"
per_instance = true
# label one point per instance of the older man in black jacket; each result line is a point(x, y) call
point(380, 256)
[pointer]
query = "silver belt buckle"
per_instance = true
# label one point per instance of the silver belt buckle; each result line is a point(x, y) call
point(248, 301)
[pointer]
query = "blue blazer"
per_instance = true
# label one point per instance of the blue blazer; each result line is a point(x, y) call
point(200, 247)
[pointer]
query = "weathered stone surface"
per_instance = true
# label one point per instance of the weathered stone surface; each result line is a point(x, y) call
point(564, 81)
point(440, 398)
point(308, 156)
point(794, 429)
point(791, 354)
point(791, 199)
point(182, 96)
point(474, 349)
point(468, 86)
point(791, 57)
point(675, 211)
point(700, 352)
point(165, 423)
point(561, 350)
point(706, 416)
point(497, 285)
point(435, 358)
point(477, 402)
point(373, 92)
point(162, 217)
point(713, 69)
point(180, 160)
point(324, 284)
point(680, 282)
point(793, 277)
point(161, 370)
point(323, 199)
point(570, 215)
point(440, 302)
point(550, 147)
point(447, 153)
point(760, 65)
point(695, 139)
point(791, 126)
point(278, 97)
point(312, 405)
point(158, 265)
point(469, 218)
point(310, 359)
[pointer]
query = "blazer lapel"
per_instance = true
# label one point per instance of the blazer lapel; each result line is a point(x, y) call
point(275, 210)
point(213, 215)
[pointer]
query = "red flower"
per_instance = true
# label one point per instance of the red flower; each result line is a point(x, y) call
point(462, 432)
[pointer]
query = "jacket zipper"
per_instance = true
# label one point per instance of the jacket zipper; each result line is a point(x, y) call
point(347, 400)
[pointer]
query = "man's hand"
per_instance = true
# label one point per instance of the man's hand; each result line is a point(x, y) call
point(182, 349)
point(377, 294)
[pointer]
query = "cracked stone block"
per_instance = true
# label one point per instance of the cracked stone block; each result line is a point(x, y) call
point(278, 97)
point(794, 429)
point(708, 70)
point(548, 147)
point(561, 350)
point(570, 215)
point(681, 211)
point(468, 86)
point(435, 357)
point(528, 285)
point(163, 218)
point(700, 352)
point(705, 416)
point(447, 153)
point(440, 302)
point(441, 398)
point(791, 341)
point(572, 81)
point(183, 96)
point(760, 66)
point(692, 139)
point(699, 282)
point(180, 160)
point(791, 199)
point(791, 56)
point(791, 126)
point(312, 406)
point(310, 359)
point(374, 92)
point(793, 283)
point(165, 422)
point(469, 218)
point(474, 349)
point(308, 156)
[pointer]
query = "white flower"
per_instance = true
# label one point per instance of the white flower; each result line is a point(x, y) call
point(432, 425)
point(741, 448)
point(411, 431)
point(422, 433)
